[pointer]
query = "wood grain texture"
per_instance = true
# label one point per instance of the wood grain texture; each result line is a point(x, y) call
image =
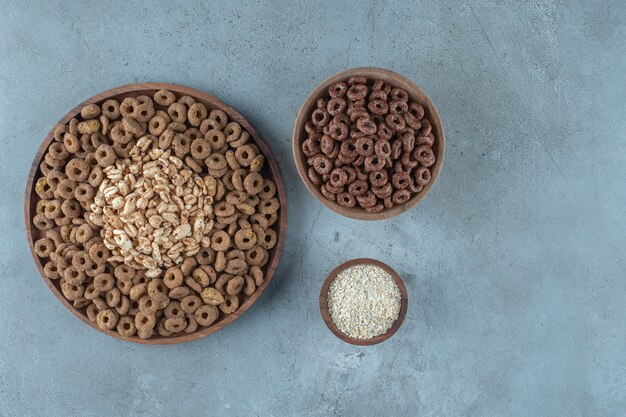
point(270, 170)
point(324, 302)
point(396, 80)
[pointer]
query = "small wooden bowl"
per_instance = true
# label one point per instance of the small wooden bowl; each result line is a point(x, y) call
point(271, 170)
point(324, 302)
point(396, 80)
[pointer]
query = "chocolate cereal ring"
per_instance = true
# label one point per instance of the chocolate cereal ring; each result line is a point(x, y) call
point(322, 164)
point(338, 89)
point(401, 196)
point(400, 180)
point(424, 155)
point(422, 176)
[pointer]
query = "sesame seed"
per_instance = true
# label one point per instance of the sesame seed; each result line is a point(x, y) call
point(363, 301)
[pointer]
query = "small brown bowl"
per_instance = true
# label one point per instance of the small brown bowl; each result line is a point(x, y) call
point(396, 80)
point(324, 302)
point(271, 170)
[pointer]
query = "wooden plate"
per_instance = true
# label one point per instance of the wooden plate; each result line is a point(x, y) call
point(270, 170)
point(396, 80)
point(324, 302)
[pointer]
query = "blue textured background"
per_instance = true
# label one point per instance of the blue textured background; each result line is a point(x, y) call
point(515, 263)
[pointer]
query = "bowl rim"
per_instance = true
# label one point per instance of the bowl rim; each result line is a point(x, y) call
point(30, 199)
point(324, 302)
point(398, 80)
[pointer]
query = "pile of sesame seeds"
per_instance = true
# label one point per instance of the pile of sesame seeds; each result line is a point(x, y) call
point(363, 301)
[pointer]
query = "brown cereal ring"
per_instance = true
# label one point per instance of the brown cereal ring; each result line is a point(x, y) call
point(378, 95)
point(173, 309)
point(416, 110)
point(232, 131)
point(99, 253)
point(320, 117)
point(408, 142)
point(426, 128)
point(111, 109)
point(378, 106)
point(415, 188)
point(245, 239)
point(269, 206)
point(119, 134)
point(216, 161)
point(192, 325)
point(43, 189)
point(357, 79)
point(400, 180)
point(56, 164)
point(257, 163)
point(193, 164)
point(144, 321)
point(58, 151)
point(401, 196)
point(424, 155)
point(144, 112)
point(212, 296)
point(338, 177)
point(91, 292)
point(84, 192)
point(88, 127)
point(366, 125)
point(399, 94)
point(173, 277)
point(374, 163)
point(59, 132)
point(81, 302)
point(358, 188)
point(164, 97)
point(336, 105)
point(201, 277)
point(412, 121)
point(190, 303)
point(107, 319)
point(231, 160)
point(357, 92)
point(124, 305)
point(51, 270)
point(103, 282)
point(268, 191)
point(175, 324)
point(123, 149)
point(81, 261)
point(179, 292)
point(196, 114)
point(366, 200)
point(127, 106)
point(378, 178)
point(52, 209)
point(156, 286)
point(145, 333)
point(77, 169)
point(44, 247)
point(235, 285)
point(113, 297)
point(375, 209)
point(269, 239)
point(130, 124)
point(230, 304)
point(327, 194)
point(245, 155)
point(338, 89)
point(321, 102)
point(92, 312)
point(157, 125)
point(364, 146)
point(256, 256)
point(177, 112)
point(147, 304)
point(205, 256)
point(220, 118)
point(70, 208)
point(201, 148)
point(126, 326)
point(238, 174)
point(327, 145)
point(346, 200)
point(177, 127)
point(166, 138)
point(72, 291)
point(234, 197)
point(383, 191)
point(314, 176)
point(236, 267)
point(322, 164)
point(311, 146)
point(188, 265)
point(425, 140)
point(338, 131)
point(422, 176)
point(181, 145)
point(253, 183)
point(220, 241)
point(395, 122)
point(206, 314)
point(382, 148)
point(257, 274)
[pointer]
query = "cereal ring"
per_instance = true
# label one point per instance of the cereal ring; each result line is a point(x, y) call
point(196, 114)
point(268, 191)
point(200, 148)
point(424, 155)
point(327, 194)
point(312, 146)
point(216, 161)
point(382, 148)
point(77, 169)
point(375, 209)
point(230, 304)
point(245, 155)
point(374, 163)
point(219, 117)
point(212, 296)
point(378, 106)
point(399, 94)
point(173, 309)
point(51, 270)
point(180, 292)
point(364, 146)
point(358, 188)
point(357, 80)
point(126, 326)
point(113, 297)
point(111, 109)
point(422, 176)
point(269, 239)
point(366, 200)
point(378, 178)
point(99, 253)
point(220, 241)
point(190, 303)
point(206, 314)
point(91, 292)
point(131, 125)
point(96, 176)
point(144, 321)
point(128, 105)
point(175, 324)
point(383, 191)
point(245, 239)
point(338, 131)
point(417, 110)
point(401, 196)
point(70, 208)
point(52, 209)
point(338, 177)
point(314, 176)
point(173, 277)
point(322, 164)
point(235, 285)
point(336, 106)
point(164, 97)
point(414, 187)
point(256, 256)
point(84, 192)
point(107, 319)
point(320, 117)
point(177, 112)
point(147, 304)
point(81, 261)
point(208, 124)
point(400, 180)
point(232, 131)
point(201, 277)
point(92, 312)
point(72, 291)
point(236, 267)
point(357, 92)
point(395, 122)
point(44, 247)
point(378, 95)
point(253, 183)
point(338, 89)
point(426, 128)
point(269, 206)
point(157, 125)
point(366, 125)
point(425, 140)
point(58, 151)
point(181, 145)
point(346, 200)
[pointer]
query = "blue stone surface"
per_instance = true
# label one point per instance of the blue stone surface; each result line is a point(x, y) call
point(515, 263)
